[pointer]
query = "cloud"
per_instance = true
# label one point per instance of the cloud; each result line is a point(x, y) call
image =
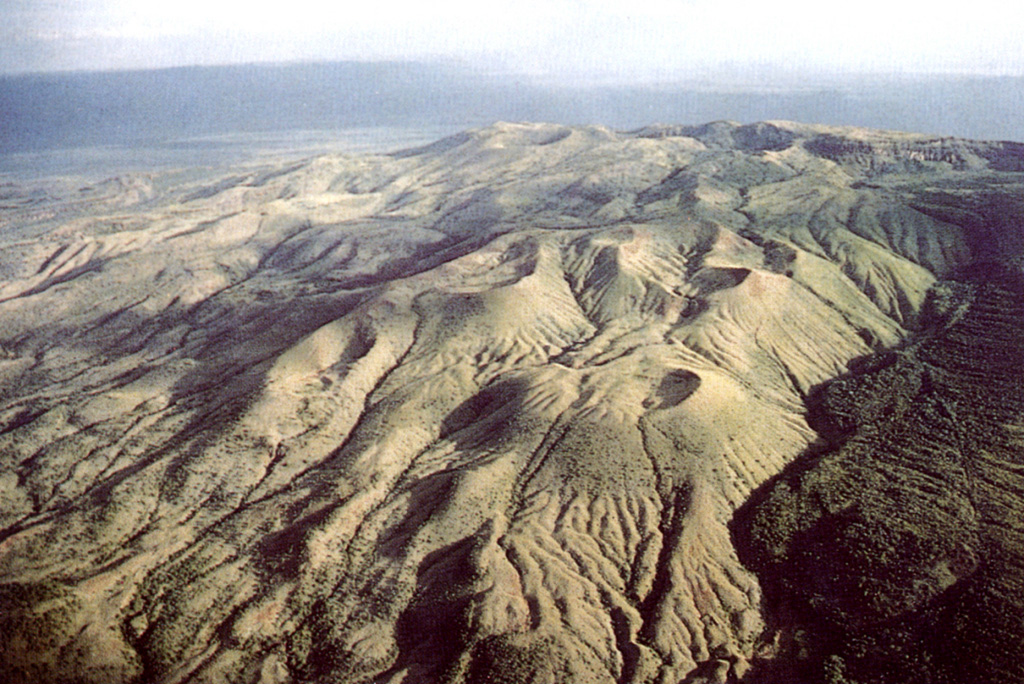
point(633, 39)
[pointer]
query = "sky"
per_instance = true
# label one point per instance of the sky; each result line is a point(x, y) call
point(603, 40)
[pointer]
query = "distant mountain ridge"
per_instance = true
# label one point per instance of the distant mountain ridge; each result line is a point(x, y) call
point(72, 110)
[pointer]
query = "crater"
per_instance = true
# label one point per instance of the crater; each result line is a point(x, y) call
point(675, 388)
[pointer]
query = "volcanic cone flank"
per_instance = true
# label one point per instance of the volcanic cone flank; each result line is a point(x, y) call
point(485, 411)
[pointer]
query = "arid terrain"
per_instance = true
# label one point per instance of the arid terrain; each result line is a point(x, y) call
point(534, 403)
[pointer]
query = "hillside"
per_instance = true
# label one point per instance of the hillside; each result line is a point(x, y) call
point(529, 404)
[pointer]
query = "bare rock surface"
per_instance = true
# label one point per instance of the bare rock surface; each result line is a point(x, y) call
point(482, 411)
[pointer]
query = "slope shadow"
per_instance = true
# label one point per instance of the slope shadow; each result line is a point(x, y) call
point(892, 582)
point(432, 631)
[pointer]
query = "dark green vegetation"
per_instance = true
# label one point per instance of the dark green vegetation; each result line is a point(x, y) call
point(895, 552)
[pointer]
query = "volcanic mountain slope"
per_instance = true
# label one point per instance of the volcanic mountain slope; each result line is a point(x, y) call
point(485, 411)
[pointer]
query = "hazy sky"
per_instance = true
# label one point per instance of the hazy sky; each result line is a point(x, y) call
point(610, 39)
